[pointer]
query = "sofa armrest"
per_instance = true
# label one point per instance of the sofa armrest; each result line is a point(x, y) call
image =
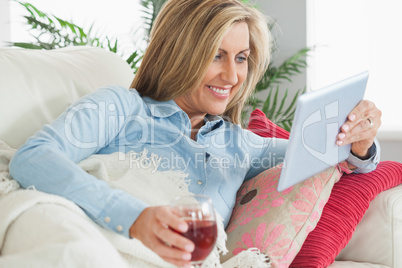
point(378, 237)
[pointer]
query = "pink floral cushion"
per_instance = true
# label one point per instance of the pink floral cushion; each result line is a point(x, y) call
point(277, 223)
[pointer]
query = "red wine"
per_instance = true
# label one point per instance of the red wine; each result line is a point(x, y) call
point(203, 234)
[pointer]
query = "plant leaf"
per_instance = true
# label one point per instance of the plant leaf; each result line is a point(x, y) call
point(26, 45)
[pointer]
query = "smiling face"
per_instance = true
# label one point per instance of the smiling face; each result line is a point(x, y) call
point(224, 76)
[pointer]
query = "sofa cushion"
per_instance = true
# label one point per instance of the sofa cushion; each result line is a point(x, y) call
point(38, 85)
point(277, 223)
point(349, 200)
point(262, 126)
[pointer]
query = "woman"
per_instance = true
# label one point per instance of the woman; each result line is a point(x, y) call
point(203, 60)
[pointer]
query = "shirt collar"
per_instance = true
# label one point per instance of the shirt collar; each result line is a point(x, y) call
point(213, 121)
point(168, 108)
point(161, 108)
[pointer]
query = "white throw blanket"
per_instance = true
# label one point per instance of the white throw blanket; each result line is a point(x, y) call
point(136, 174)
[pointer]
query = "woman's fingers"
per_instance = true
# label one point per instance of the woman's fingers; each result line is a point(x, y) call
point(361, 110)
point(166, 231)
point(361, 128)
point(170, 253)
point(166, 216)
point(155, 229)
point(365, 117)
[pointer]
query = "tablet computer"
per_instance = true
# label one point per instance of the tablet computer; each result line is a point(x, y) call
point(318, 117)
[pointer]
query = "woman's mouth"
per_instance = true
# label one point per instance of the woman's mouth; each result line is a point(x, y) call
point(220, 92)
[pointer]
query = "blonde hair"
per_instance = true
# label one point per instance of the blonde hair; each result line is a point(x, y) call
point(184, 40)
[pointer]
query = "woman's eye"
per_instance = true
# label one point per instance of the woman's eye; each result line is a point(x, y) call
point(241, 59)
point(218, 57)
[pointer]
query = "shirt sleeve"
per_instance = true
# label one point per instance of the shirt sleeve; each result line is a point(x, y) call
point(48, 160)
point(367, 165)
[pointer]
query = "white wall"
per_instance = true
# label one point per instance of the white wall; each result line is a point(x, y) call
point(362, 36)
point(4, 22)
point(290, 33)
point(347, 45)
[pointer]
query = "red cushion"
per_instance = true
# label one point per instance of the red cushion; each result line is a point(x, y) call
point(349, 200)
point(262, 126)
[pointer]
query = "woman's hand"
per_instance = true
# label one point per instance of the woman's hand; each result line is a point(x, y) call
point(361, 128)
point(153, 228)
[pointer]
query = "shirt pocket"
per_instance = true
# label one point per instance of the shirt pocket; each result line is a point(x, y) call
point(231, 178)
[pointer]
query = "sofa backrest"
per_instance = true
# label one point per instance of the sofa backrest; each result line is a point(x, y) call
point(38, 85)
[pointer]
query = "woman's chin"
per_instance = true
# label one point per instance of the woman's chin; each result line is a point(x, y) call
point(216, 111)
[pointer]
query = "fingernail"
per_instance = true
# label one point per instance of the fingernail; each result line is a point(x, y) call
point(183, 228)
point(345, 127)
point(189, 248)
point(352, 117)
point(339, 142)
point(342, 135)
point(186, 257)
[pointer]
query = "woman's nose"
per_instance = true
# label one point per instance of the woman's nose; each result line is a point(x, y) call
point(229, 73)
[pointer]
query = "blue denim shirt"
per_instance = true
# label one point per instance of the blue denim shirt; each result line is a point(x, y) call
point(115, 119)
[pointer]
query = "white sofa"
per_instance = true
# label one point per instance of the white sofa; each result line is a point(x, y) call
point(36, 86)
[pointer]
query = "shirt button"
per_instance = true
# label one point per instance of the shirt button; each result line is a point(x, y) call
point(119, 228)
point(199, 182)
point(107, 219)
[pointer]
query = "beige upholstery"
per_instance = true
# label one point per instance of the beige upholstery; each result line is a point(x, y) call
point(37, 85)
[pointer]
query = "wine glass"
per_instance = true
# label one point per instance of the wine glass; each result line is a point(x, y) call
point(198, 212)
